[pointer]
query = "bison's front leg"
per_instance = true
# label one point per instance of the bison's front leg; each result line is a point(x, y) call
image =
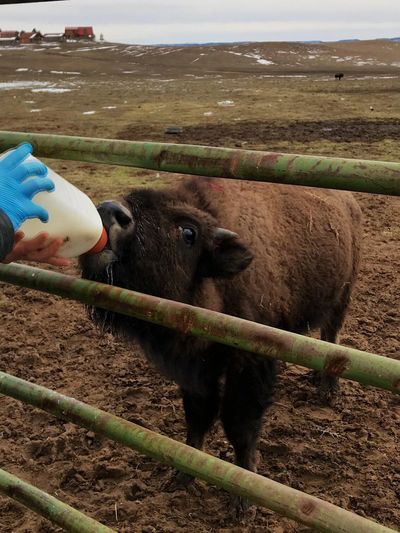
point(201, 410)
point(249, 391)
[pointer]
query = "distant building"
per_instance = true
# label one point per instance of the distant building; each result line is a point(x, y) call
point(54, 37)
point(79, 33)
point(30, 37)
point(9, 41)
point(10, 34)
point(9, 38)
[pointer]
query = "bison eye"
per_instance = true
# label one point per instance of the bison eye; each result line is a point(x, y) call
point(189, 235)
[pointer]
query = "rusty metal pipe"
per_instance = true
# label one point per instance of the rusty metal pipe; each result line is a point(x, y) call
point(314, 171)
point(308, 510)
point(335, 360)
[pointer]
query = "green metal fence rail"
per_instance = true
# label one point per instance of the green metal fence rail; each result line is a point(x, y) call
point(334, 359)
point(308, 510)
point(327, 172)
point(42, 503)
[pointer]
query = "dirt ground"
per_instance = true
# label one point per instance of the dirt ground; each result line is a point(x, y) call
point(346, 454)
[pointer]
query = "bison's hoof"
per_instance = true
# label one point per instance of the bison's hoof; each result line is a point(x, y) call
point(327, 393)
point(327, 387)
point(178, 481)
point(241, 509)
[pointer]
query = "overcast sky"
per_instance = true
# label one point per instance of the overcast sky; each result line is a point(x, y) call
point(179, 21)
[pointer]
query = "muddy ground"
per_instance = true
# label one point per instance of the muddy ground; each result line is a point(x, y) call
point(261, 132)
point(346, 454)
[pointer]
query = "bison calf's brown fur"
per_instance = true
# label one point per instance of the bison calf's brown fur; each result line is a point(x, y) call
point(291, 264)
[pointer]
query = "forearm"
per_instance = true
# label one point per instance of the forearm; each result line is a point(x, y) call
point(6, 235)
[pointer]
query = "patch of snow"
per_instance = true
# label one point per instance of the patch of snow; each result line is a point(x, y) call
point(110, 107)
point(158, 80)
point(208, 113)
point(264, 61)
point(52, 90)
point(35, 110)
point(88, 112)
point(96, 48)
point(29, 101)
point(258, 57)
point(128, 71)
point(226, 103)
point(63, 72)
point(7, 86)
point(21, 69)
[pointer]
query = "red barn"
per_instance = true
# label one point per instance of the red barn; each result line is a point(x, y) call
point(29, 37)
point(8, 34)
point(79, 32)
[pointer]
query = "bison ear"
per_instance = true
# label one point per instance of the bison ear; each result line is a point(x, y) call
point(226, 257)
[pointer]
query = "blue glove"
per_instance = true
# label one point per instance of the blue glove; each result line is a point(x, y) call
point(17, 191)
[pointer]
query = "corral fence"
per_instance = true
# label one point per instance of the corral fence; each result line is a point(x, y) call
point(369, 369)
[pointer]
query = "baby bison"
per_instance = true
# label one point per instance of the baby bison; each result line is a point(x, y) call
point(281, 255)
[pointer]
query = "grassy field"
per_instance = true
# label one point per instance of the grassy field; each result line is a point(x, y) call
point(280, 97)
point(115, 98)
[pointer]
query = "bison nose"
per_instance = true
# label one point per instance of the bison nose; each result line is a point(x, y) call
point(114, 215)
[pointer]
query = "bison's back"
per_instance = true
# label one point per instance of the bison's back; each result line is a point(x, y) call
point(306, 250)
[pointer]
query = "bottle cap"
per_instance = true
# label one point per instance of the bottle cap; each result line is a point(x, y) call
point(100, 245)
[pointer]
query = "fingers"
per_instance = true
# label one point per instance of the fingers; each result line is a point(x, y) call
point(37, 243)
point(19, 235)
point(36, 185)
point(17, 155)
point(31, 168)
point(40, 249)
point(50, 248)
point(37, 211)
point(57, 261)
point(43, 250)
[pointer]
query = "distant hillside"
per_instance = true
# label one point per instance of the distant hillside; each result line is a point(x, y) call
point(382, 56)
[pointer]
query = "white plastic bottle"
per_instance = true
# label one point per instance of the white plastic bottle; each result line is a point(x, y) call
point(72, 216)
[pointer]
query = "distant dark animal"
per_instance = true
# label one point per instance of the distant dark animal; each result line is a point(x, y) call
point(339, 76)
point(293, 267)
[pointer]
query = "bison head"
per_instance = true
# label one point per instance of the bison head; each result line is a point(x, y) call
point(163, 244)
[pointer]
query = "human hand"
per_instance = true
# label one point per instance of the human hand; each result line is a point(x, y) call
point(16, 191)
point(41, 249)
